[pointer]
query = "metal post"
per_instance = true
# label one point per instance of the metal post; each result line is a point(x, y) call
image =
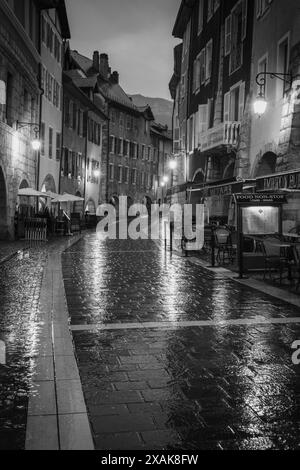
point(213, 260)
point(240, 243)
point(171, 237)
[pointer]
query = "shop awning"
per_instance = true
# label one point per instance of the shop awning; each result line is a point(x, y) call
point(221, 189)
point(287, 181)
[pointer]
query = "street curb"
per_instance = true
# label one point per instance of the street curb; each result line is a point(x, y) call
point(11, 256)
point(57, 417)
point(255, 284)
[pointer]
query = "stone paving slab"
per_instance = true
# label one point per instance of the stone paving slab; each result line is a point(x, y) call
point(56, 401)
point(173, 356)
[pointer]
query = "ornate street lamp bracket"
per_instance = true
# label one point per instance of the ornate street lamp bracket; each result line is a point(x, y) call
point(261, 78)
point(33, 125)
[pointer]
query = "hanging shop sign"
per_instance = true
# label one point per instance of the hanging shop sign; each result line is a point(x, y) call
point(225, 190)
point(261, 198)
point(279, 182)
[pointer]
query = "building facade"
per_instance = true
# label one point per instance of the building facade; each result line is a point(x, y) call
point(162, 144)
point(84, 146)
point(132, 165)
point(54, 31)
point(273, 153)
point(19, 103)
point(218, 83)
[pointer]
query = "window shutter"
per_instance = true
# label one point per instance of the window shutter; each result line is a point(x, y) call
point(228, 35)
point(195, 76)
point(241, 101)
point(203, 118)
point(244, 19)
point(209, 49)
point(227, 107)
point(196, 130)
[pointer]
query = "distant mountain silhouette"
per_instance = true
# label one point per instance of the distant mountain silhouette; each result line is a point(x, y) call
point(161, 108)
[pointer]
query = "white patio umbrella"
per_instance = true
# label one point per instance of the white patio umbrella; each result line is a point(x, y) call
point(52, 195)
point(30, 192)
point(66, 198)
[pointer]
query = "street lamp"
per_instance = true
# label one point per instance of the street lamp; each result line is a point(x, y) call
point(165, 179)
point(35, 143)
point(260, 104)
point(173, 166)
point(97, 173)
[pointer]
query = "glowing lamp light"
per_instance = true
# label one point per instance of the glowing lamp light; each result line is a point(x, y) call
point(36, 145)
point(165, 179)
point(163, 184)
point(260, 105)
point(173, 165)
point(97, 173)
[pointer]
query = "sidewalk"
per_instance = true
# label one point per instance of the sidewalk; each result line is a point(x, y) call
point(56, 402)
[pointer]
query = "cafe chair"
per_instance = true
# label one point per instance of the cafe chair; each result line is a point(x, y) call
point(296, 264)
point(273, 259)
point(223, 245)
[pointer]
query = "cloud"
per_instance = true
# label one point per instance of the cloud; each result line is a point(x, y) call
point(137, 35)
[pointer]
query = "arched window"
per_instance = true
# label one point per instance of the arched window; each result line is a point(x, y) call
point(267, 165)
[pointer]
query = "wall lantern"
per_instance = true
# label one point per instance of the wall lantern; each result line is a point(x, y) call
point(35, 143)
point(261, 104)
point(173, 165)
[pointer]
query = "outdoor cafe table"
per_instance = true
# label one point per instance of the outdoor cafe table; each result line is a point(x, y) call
point(285, 252)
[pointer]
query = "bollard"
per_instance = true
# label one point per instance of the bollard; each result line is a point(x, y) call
point(213, 260)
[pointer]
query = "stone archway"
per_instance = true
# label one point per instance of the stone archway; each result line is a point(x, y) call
point(90, 207)
point(24, 184)
point(78, 206)
point(3, 207)
point(229, 171)
point(266, 165)
point(198, 177)
point(49, 184)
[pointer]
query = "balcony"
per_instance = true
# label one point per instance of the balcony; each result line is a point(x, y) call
point(225, 134)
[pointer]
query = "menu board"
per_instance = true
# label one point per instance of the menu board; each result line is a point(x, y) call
point(261, 220)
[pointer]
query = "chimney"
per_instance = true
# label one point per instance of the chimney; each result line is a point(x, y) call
point(104, 67)
point(96, 61)
point(114, 78)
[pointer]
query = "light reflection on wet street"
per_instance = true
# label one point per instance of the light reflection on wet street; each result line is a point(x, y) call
point(183, 387)
point(20, 282)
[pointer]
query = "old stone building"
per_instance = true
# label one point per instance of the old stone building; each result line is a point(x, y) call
point(271, 154)
point(54, 32)
point(215, 81)
point(19, 103)
point(85, 144)
point(131, 161)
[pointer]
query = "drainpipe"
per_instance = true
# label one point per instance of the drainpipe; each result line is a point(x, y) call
point(107, 155)
point(42, 91)
point(62, 137)
point(85, 158)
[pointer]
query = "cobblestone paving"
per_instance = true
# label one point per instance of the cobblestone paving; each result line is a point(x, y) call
point(212, 387)
point(8, 249)
point(20, 283)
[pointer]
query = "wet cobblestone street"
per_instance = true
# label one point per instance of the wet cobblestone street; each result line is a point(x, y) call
point(172, 356)
point(20, 282)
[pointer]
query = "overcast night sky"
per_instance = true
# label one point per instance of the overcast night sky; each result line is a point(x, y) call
point(137, 35)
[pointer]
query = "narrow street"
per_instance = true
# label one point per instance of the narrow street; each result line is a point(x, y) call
point(159, 370)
